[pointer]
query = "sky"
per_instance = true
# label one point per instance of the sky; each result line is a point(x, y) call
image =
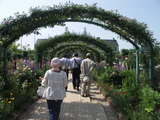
point(147, 11)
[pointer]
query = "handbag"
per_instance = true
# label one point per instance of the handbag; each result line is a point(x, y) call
point(40, 90)
point(86, 79)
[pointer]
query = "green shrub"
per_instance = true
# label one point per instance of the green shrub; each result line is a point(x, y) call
point(135, 99)
point(150, 99)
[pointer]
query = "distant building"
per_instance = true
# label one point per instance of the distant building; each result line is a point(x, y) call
point(113, 43)
point(39, 40)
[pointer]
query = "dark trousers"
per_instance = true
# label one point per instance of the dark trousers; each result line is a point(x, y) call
point(54, 109)
point(67, 71)
point(76, 78)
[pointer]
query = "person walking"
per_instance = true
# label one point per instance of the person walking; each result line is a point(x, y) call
point(75, 63)
point(32, 65)
point(87, 66)
point(26, 62)
point(65, 62)
point(14, 64)
point(55, 81)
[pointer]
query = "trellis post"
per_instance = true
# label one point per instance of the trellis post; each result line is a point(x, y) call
point(150, 65)
point(137, 66)
point(5, 64)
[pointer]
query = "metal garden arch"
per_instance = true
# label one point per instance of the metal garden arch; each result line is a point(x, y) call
point(128, 29)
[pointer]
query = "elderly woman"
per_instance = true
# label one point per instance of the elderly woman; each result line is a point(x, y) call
point(55, 81)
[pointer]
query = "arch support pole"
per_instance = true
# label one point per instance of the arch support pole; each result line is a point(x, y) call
point(151, 68)
point(137, 66)
point(5, 64)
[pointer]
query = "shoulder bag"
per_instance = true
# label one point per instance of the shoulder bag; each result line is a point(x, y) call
point(79, 68)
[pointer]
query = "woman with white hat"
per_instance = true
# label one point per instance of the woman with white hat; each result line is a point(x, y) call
point(55, 81)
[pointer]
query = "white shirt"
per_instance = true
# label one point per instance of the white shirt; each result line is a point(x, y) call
point(73, 63)
point(55, 83)
point(65, 61)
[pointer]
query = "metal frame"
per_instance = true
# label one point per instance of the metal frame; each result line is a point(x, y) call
point(4, 62)
point(148, 49)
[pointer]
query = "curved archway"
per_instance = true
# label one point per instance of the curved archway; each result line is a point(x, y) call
point(68, 37)
point(59, 14)
point(128, 29)
point(79, 46)
point(71, 49)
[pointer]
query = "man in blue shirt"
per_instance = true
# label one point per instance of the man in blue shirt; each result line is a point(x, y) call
point(65, 62)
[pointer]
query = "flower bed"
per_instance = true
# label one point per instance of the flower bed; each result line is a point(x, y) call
point(19, 91)
point(133, 101)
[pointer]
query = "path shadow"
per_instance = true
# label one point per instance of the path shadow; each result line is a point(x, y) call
point(82, 111)
point(74, 92)
point(69, 111)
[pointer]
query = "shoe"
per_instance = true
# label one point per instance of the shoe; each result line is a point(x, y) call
point(82, 95)
point(77, 89)
point(87, 95)
point(66, 88)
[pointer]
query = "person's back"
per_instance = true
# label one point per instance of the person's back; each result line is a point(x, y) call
point(26, 61)
point(56, 82)
point(65, 62)
point(75, 63)
point(87, 66)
